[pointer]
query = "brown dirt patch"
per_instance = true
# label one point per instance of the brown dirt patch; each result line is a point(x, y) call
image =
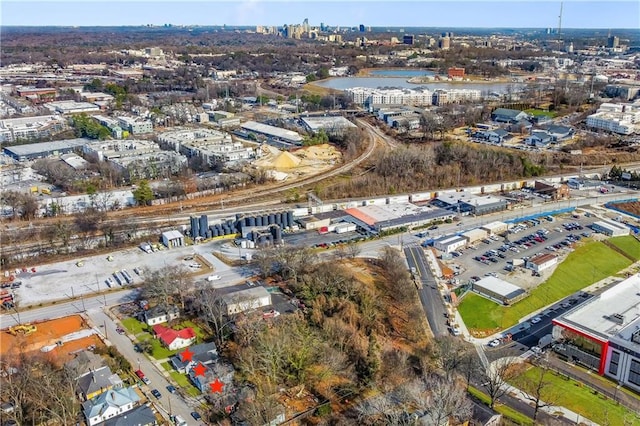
point(48, 333)
point(631, 207)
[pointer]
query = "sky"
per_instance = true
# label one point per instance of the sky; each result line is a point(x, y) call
point(346, 13)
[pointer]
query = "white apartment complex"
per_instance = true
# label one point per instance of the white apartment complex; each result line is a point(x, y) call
point(13, 129)
point(206, 143)
point(417, 97)
point(623, 119)
point(135, 125)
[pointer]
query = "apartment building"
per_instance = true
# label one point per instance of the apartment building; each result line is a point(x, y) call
point(27, 128)
point(135, 125)
point(210, 145)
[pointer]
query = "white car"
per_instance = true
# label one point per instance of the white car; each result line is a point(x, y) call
point(214, 278)
point(494, 343)
point(535, 320)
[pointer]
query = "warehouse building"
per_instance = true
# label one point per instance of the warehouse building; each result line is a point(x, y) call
point(392, 216)
point(466, 203)
point(260, 129)
point(495, 228)
point(604, 333)
point(498, 290)
point(611, 228)
point(474, 235)
point(71, 107)
point(542, 262)
point(45, 149)
point(246, 300)
point(172, 239)
point(449, 243)
point(332, 126)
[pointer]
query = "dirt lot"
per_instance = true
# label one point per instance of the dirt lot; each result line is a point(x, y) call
point(48, 333)
point(632, 207)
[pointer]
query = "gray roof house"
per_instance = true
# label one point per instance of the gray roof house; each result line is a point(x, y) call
point(560, 132)
point(84, 363)
point(139, 416)
point(539, 139)
point(160, 314)
point(98, 381)
point(205, 353)
point(504, 115)
point(109, 404)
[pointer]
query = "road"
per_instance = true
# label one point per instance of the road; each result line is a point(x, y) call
point(430, 297)
point(167, 403)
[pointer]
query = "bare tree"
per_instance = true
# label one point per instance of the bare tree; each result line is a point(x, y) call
point(353, 250)
point(451, 353)
point(212, 309)
point(538, 386)
point(495, 378)
point(441, 400)
point(166, 283)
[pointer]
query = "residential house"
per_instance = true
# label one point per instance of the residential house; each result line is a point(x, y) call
point(496, 136)
point(520, 126)
point(109, 404)
point(84, 363)
point(174, 339)
point(217, 370)
point(139, 416)
point(539, 139)
point(549, 190)
point(542, 262)
point(504, 115)
point(96, 382)
point(560, 133)
point(205, 353)
point(160, 314)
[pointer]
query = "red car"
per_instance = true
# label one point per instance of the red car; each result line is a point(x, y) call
point(140, 374)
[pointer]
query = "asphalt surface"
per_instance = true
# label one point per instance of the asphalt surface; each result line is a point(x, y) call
point(430, 297)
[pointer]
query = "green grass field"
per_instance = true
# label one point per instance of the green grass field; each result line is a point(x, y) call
point(181, 380)
point(627, 244)
point(539, 112)
point(134, 326)
point(579, 398)
point(508, 412)
point(589, 263)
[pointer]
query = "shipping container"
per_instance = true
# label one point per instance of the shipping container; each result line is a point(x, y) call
point(347, 227)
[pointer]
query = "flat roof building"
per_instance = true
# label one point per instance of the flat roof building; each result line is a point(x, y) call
point(45, 149)
point(498, 290)
point(210, 145)
point(474, 235)
point(25, 128)
point(467, 203)
point(272, 131)
point(495, 228)
point(331, 125)
point(449, 243)
point(246, 300)
point(606, 328)
point(542, 262)
point(71, 107)
point(610, 228)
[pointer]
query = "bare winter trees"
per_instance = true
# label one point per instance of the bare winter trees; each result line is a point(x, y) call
point(23, 206)
point(167, 283)
point(495, 378)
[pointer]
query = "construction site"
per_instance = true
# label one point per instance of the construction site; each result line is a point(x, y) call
point(299, 163)
point(60, 338)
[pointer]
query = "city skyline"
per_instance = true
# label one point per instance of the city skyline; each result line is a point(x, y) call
point(461, 14)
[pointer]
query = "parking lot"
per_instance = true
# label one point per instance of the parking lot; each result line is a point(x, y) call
point(496, 255)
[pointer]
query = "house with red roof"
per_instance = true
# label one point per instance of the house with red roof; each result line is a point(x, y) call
point(174, 339)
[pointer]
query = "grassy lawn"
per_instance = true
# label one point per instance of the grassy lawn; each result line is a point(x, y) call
point(589, 263)
point(627, 244)
point(134, 326)
point(539, 112)
point(579, 398)
point(181, 380)
point(508, 412)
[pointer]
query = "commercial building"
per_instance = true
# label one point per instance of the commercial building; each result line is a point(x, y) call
point(383, 217)
point(604, 332)
point(550, 190)
point(45, 149)
point(450, 243)
point(465, 203)
point(135, 125)
point(246, 300)
point(455, 72)
point(499, 290)
point(210, 145)
point(71, 107)
point(260, 129)
point(617, 118)
point(14, 129)
point(542, 262)
point(610, 228)
point(474, 235)
point(331, 125)
point(495, 228)
point(172, 239)
point(36, 93)
point(443, 97)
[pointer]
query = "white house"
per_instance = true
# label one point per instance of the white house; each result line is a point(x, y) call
point(109, 404)
point(245, 300)
point(542, 262)
point(174, 339)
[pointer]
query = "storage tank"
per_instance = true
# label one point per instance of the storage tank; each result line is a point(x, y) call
point(251, 244)
point(271, 219)
point(290, 218)
point(279, 218)
point(203, 226)
point(265, 220)
point(258, 220)
point(263, 239)
point(215, 232)
point(243, 244)
point(209, 233)
point(285, 220)
point(277, 234)
point(251, 221)
point(195, 229)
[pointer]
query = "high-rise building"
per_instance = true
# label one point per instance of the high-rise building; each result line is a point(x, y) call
point(445, 43)
point(361, 28)
point(408, 39)
point(613, 42)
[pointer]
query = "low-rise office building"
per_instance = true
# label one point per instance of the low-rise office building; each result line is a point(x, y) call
point(499, 290)
point(542, 262)
point(611, 228)
point(449, 243)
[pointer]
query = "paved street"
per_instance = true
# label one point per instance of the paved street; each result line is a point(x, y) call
point(430, 297)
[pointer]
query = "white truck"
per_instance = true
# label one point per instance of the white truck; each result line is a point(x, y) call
point(214, 277)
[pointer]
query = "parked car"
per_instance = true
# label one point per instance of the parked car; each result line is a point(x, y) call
point(493, 343)
point(156, 393)
point(171, 389)
point(535, 320)
point(120, 330)
point(195, 415)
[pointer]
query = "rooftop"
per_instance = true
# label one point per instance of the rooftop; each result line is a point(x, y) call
point(616, 311)
point(272, 130)
point(43, 147)
point(499, 286)
point(543, 258)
